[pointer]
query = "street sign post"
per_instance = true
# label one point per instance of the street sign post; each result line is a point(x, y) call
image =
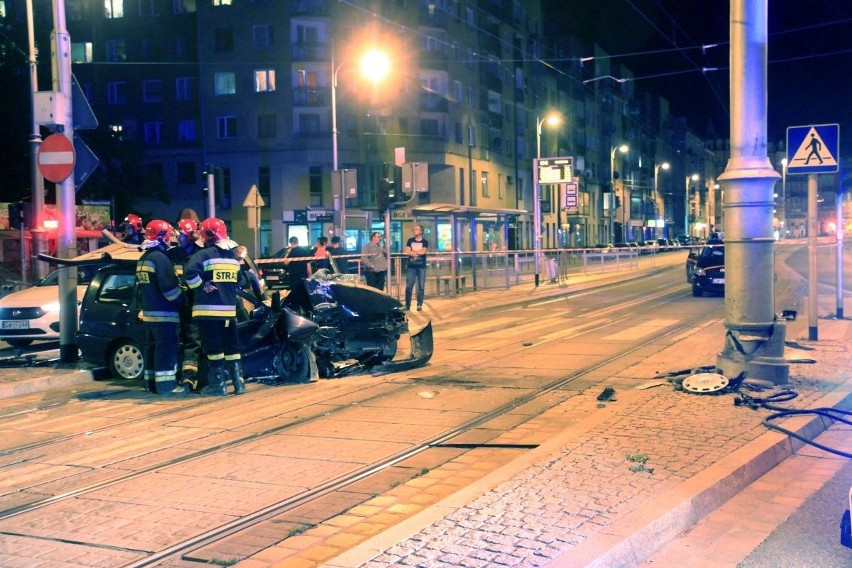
point(56, 158)
point(253, 203)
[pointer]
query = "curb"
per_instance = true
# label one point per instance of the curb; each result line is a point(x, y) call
point(640, 534)
point(54, 379)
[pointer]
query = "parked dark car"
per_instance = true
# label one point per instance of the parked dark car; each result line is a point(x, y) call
point(705, 270)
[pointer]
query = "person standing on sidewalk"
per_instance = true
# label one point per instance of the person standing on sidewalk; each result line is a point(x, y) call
point(416, 248)
point(375, 262)
point(160, 300)
point(213, 273)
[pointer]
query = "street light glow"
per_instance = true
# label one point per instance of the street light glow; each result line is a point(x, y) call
point(375, 65)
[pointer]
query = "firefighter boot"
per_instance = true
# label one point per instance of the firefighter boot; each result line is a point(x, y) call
point(188, 384)
point(235, 372)
point(215, 383)
point(149, 382)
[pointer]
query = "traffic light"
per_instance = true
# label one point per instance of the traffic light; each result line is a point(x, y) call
point(16, 215)
point(387, 193)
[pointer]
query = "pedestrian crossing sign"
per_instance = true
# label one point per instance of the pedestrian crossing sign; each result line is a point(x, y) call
point(813, 149)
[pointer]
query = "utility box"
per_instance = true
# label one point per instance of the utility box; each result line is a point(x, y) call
point(51, 108)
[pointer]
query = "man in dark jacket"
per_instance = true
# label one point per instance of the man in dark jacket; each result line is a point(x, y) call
point(296, 268)
point(160, 299)
point(190, 339)
point(213, 273)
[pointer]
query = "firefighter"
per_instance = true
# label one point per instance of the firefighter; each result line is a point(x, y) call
point(133, 233)
point(187, 245)
point(212, 273)
point(160, 299)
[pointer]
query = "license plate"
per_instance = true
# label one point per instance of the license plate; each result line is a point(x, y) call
point(271, 277)
point(15, 324)
point(718, 281)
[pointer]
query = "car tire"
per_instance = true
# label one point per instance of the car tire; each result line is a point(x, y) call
point(696, 291)
point(126, 360)
point(293, 363)
point(18, 342)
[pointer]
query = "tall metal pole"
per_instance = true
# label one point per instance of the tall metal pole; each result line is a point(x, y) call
point(36, 180)
point(334, 157)
point(754, 340)
point(537, 202)
point(66, 233)
point(211, 190)
point(813, 283)
point(838, 208)
point(783, 215)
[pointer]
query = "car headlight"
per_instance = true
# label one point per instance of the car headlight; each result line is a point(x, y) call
point(51, 307)
point(700, 272)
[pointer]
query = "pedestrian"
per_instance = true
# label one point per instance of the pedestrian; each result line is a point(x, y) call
point(416, 248)
point(296, 262)
point(133, 233)
point(213, 273)
point(160, 300)
point(375, 262)
point(190, 338)
point(320, 255)
point(337, 249)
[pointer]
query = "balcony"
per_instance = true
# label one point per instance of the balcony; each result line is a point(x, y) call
point(433, 102)
point(310, 8)
point(311, 96)
point(305, 51)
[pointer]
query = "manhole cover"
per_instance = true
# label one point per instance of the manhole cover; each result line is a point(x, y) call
point(705, 382)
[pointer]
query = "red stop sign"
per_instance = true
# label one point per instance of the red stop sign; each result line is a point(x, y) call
point(56, 158)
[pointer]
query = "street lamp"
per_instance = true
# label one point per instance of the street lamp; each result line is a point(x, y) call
point(552, 119)
point(623, 148)
point(375, 66)
point(693, 177)
point(657, 168)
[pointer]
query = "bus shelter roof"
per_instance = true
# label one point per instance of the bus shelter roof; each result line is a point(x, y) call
point(448, 209)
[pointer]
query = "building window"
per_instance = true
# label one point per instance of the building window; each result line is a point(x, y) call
point(152, 91)
point(470, 58)
point(223, 40)
point(116, 50)
point(224, 83)
point(484, 180)
point(309, 123)
point(264, 80)
point(262, 36)
point(146, 8)
point(429, 127)
point(470, 95)
point(470, 19)
point(153, 133)
point(264, 183)
point(185, 88)
point(266, 126)
point(221, 2)
point(117, 93)
point(183, 6)
point(315, 185)
point(186, 173)
point(458, 91)
point(226, 127)
point(113, 9)
point(459, 132)
point(225, 185)
point(186, 131)
point(81, 52)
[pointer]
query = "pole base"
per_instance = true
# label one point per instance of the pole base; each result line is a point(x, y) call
point(758, 356)
point(68, 353)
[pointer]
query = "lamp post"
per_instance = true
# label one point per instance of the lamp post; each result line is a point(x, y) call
point(551, 119)
point(375, 66)
point(623, 148)
point(693, 177)
point(782, 217)
point(657, 168)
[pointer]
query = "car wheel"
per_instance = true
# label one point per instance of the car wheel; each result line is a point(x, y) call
point(18, 342)
point(293, 364)
point(696, 291)
point(126, 360)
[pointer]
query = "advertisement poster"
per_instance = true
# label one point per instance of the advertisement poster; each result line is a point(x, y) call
point(444, 234)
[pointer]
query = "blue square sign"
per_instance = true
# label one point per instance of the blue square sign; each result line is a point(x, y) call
point(813, 149)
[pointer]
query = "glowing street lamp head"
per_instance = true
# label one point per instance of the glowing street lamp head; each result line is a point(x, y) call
point(694, 177)
point(375, 65)
point(665, 165)
point(553, 119)
point(623, 148)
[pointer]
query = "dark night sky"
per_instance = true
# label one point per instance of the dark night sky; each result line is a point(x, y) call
point(810, 56)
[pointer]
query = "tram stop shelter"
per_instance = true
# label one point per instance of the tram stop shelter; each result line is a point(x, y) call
point(460, 228)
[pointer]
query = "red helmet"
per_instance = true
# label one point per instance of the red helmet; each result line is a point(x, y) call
point(134, 221)
point(213, 229)
point(187, 226)
point(158, 230)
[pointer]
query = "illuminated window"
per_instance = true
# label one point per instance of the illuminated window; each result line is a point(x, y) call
point(81, 52)
point(113, 9)
point(264, 80)
point(224, 83)
point(116, 50)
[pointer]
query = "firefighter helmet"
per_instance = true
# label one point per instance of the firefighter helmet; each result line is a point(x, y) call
point(158, 230)
point(213, 230)
point(134, 221)
point(187, 226)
